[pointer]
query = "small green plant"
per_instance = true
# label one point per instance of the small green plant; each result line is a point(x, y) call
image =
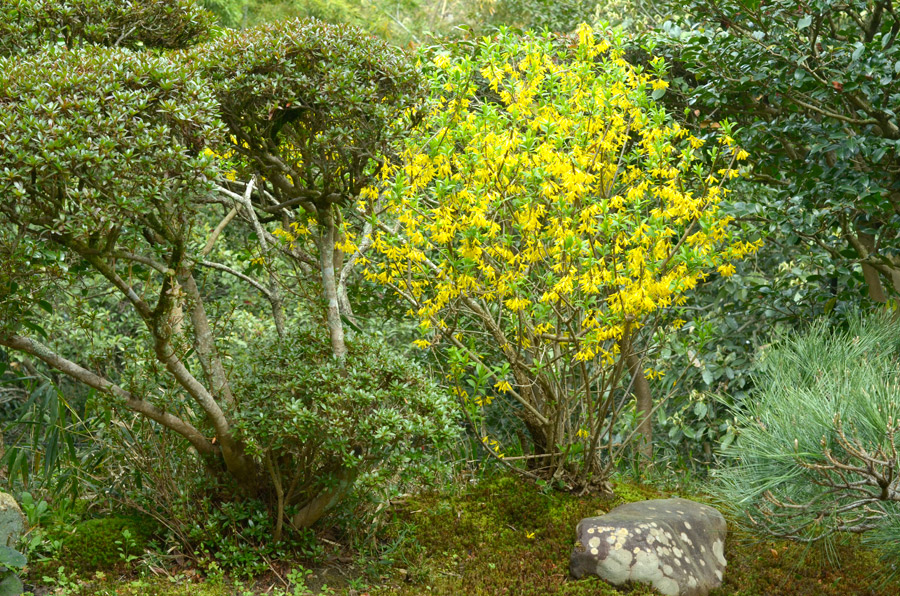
point(127, 546)
point(36, 512)
point(11, 564)
point(297, 579)
point(64, 583)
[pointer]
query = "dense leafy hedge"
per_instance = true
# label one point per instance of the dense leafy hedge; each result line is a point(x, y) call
point(815, 87)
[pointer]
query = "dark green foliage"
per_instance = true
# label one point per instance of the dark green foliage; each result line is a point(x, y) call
point(237, 537)
point(106, 542)
point(26, 25)
point(11, 564)
point(320, 422)
point(815, 86)
point(710, 360)
point(311, 106)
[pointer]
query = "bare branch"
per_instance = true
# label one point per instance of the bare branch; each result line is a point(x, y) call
point(215, 233)
point(71, 369)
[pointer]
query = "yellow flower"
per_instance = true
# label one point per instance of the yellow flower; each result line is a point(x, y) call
point(727, 270)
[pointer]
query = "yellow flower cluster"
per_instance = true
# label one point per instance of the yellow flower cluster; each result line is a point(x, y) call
point(548, 193)
point(493, 445)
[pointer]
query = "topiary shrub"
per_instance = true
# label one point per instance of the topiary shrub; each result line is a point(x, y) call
point(26, 25)
point(104, 543)
point(319, 424)
point(817, 455)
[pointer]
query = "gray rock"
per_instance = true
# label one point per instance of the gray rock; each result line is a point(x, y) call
point(675, 545)
point(12, 520)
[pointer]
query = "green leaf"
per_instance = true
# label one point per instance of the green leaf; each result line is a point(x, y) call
point(700, 409)
point(11, 586)
point(10, 557)
point(658, 93)
point(728, 440)
point(36, 328)
point(804, 22)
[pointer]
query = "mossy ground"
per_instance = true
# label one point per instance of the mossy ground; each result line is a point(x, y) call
point(505, 536)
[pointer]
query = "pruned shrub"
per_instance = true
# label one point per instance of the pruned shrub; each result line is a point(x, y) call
point(92, 137)
point(817, 451)
point(318, 425)
point(311, 105)
point(26, 25)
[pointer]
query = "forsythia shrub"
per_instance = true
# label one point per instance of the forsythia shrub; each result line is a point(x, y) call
point(546, 208)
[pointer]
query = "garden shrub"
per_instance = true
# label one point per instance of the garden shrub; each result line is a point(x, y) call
point(26, 25)
point(109, 170)
point(547, 210)
point(816, 455)
point(318, 425)
point(101, 161)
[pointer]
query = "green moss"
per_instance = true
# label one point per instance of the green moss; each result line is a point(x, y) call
point(627, 492)
point(102, 543)
point(505, 536)
point(762, 567)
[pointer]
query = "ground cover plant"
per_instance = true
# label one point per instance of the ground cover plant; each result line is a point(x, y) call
point(498, 537)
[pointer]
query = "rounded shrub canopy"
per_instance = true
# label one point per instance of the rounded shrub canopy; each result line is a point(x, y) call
point(380, 410)
point(310, 104)
point(26, 25)
point(95, 142)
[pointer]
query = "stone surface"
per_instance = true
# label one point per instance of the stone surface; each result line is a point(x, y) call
point(675, 545)
point(12, 520)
